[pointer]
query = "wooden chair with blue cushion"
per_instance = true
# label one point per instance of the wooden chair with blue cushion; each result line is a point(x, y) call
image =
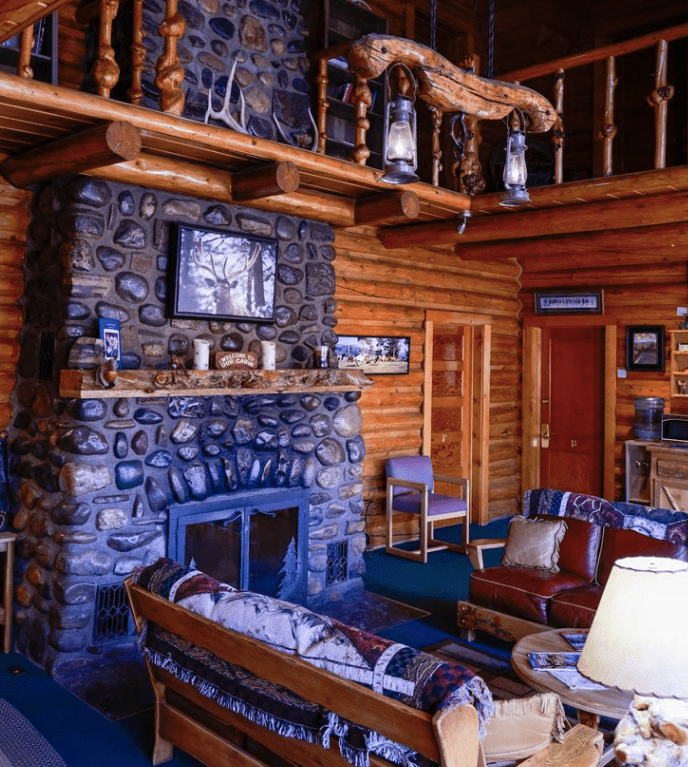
point(410, 489)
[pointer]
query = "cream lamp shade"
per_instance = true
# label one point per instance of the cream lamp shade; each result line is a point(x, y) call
point(639, 637)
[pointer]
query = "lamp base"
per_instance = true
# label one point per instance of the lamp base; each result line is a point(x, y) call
point(653, 732)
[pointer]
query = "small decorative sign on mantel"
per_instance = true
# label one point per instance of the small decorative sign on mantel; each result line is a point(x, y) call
point(589, 302)
point(236, 361)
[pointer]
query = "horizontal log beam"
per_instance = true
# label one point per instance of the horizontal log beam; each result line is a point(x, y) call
point(267, 181)
point(377, 208)
point(99, 146)
point(526, 224)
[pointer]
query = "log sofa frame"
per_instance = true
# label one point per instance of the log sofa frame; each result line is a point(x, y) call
point(217, 737)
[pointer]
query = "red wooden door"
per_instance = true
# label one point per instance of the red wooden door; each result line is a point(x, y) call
point(572, 437)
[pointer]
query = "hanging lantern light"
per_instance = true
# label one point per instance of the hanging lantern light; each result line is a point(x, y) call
point(399, 152)
point(515, 170)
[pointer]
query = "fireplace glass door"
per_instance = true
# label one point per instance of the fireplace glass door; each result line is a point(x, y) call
point(253, 541)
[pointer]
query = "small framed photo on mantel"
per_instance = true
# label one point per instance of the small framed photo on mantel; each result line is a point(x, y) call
point(109, 331)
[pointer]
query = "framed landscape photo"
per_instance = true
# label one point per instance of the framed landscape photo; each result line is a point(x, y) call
point(645, 347)
point(214, 274)
point(374, 355)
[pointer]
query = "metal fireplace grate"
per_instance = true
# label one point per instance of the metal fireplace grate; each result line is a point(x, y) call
point(336, 562)
point(112, 614)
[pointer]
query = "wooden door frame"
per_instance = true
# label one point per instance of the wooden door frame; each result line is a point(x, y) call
point(480, 327)
point(532, 393)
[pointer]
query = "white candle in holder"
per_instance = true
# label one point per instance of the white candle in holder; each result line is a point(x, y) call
point(201, 353)
point(268, 350)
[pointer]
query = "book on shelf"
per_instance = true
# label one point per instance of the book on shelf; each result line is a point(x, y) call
point(546, 661)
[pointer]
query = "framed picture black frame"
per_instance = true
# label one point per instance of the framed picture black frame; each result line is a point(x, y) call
point(645, 348)
point(220, 275)
point(567, 302)
point(374, 355)
point(109, 331)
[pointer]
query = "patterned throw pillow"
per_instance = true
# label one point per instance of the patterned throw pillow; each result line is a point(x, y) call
point(534, 543)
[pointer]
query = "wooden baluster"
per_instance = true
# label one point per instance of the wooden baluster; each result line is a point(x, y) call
point(436, 149)
point(362, 99)
point(170, 72)
point(471, 179)
point(558, 128)
point(659, 100)
point(138, 54)
point(323, 105)
point(609, 129)
point(105, 71)
point(26, 44)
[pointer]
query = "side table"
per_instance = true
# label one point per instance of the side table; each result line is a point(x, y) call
point(7, 546)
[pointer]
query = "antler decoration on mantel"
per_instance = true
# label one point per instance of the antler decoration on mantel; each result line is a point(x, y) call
point(447, 87)
point(224, 113)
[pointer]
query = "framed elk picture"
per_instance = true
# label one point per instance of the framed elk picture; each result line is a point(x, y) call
point(219, 275)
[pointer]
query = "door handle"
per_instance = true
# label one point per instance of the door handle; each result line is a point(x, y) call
point(544, 436)
point(574, 443)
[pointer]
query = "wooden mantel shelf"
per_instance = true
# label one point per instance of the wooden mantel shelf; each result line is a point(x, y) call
point(83, 384)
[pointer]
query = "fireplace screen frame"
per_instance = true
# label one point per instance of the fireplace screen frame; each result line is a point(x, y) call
point(244, 506)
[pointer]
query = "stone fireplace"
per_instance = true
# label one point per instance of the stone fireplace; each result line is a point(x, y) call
point(96, 479)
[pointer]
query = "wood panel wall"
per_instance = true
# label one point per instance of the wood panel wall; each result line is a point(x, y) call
point(644, 275)
point(14, 222)
point(381, 292)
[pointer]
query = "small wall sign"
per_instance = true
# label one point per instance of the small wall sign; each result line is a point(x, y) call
point(590, 302)
point(236, 361)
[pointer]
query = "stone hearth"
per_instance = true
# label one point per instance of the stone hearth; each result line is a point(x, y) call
point(94, 478)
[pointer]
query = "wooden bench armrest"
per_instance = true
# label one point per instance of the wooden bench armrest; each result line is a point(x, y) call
point(476, 547)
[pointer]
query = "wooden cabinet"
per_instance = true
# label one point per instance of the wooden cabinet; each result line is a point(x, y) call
point(637, 471)
point(344, 20)
point(679, 363)
point(669, 476)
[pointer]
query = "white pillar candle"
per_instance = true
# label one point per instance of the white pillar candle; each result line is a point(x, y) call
point(268, 349)
point(201, 353)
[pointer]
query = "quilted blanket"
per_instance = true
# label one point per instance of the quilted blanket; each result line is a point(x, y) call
point(662, 524)
point(408, 675)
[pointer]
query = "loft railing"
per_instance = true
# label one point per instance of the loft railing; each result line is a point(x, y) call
point(465, 167)
point(659, 98)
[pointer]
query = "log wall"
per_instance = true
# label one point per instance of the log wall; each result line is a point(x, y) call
point(14, 222)
point(644, 280)
point(382, 292)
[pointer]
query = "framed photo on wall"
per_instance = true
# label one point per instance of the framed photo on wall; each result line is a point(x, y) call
point(374, 355)
point(645, 348)
point(109, 331)
point(219, 275)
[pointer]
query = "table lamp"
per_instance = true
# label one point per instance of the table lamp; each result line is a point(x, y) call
point(638, 641)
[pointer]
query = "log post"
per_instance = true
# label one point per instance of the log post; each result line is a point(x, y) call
point(170, 73)
point(138, 54)
point(105, 71)
point(24, 64)
point(376, 208)
point(558, 127)
point(362, 99)
point(659, 100)
point(471, 179)
point(94, 147)
point(323, 104)
point(608, 132)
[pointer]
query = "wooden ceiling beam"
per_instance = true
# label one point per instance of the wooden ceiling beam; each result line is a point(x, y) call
point(378, 208)
point(101, 145)
point(266, 181)
point(16, 15)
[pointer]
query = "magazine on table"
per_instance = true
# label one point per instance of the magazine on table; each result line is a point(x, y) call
point(546, 661)
point(575, 638)
point(573, 679)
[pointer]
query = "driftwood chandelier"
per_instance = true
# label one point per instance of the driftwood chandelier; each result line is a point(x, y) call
point(415, 70)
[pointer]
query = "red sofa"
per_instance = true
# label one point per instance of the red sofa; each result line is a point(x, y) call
point(510, 601)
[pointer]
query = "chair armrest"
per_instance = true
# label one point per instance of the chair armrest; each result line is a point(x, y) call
point(408, 483)
point(463, 481)
point(475, 550)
